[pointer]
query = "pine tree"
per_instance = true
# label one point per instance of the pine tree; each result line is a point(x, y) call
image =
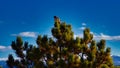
point(62, 50)
point(0, 66)
point(10, 61)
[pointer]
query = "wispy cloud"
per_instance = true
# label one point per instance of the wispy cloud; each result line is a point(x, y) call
point(3, 59)
point(26, 34)
point(82, 28)
point(115, 55)
point(100, 36)
point(3, 48)
point(106, 37)
point(83, 24)
point(78, 35)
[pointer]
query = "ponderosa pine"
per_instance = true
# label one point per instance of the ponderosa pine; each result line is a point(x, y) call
point(61, 50)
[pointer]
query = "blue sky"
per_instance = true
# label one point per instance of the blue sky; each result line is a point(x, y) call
point(28, 18)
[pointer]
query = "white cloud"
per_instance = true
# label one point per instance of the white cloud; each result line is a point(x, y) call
point(100, 36)
point(91, 32)
point(26, 34)
point(82, 28)
point(6, 58)
point(4, 48)
point(83, 24)
point(9, 47)
point(78, 35)
point(3, 59)
point(115, 55)
point(106, 37)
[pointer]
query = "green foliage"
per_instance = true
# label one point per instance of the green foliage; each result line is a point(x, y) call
point(10, 61)
point(62, 50)
point(116, 66)
point(18, 47)
point(104, 66)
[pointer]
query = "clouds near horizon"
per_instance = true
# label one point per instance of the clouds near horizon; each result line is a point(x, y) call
point(101, 36)
point(4, 48)
point(106, 37)
point(26, 34)
point(97, 36)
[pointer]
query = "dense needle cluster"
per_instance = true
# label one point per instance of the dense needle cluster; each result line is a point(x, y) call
point(62, 50)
